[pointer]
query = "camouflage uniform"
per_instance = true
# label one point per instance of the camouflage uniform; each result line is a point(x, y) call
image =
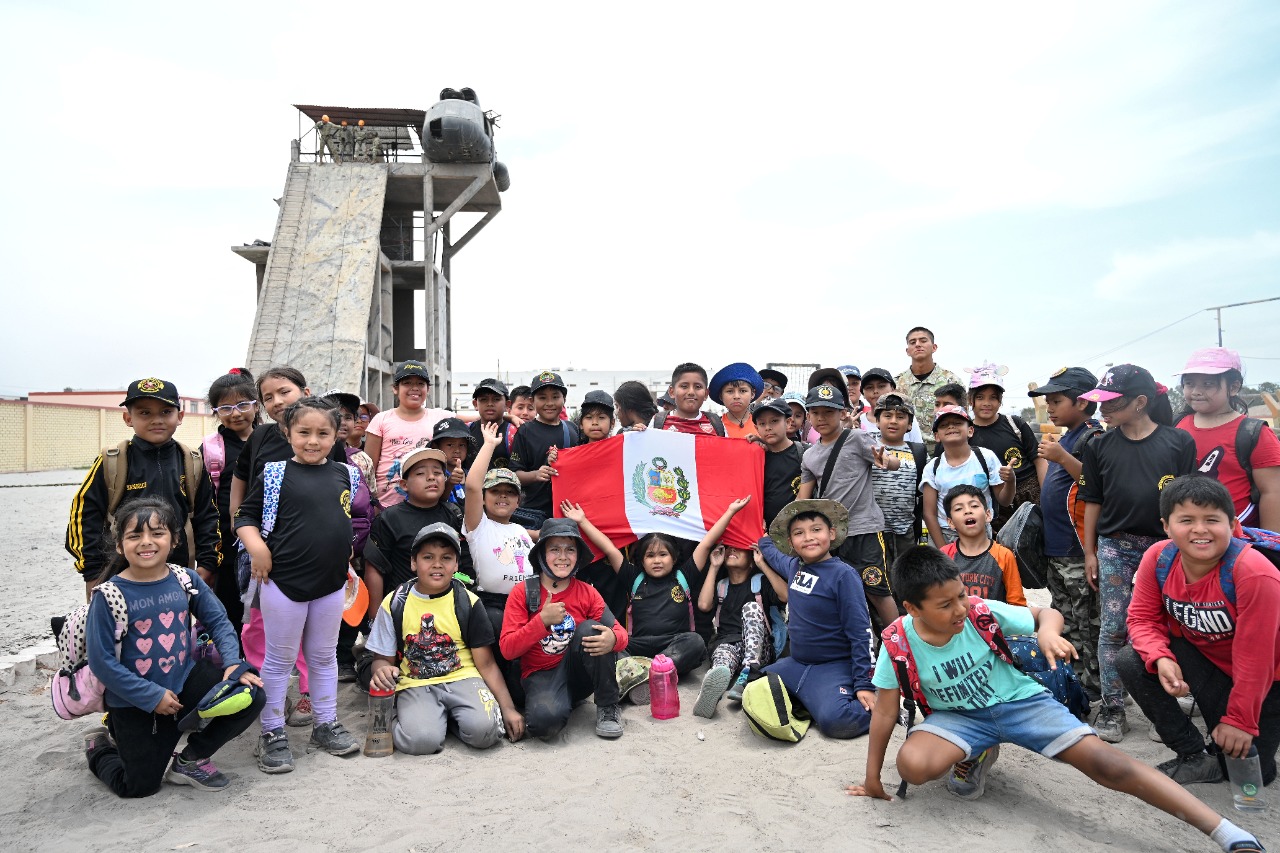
point(919, 393)
point(1078, 604)
point(347, 140)
point(327, 132)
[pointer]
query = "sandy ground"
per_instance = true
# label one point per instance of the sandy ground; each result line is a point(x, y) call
point(657, 788)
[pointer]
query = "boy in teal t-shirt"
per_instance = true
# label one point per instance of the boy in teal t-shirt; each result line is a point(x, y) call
point(974, 700)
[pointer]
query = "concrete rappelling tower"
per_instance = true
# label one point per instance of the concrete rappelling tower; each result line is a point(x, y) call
point(364, 223)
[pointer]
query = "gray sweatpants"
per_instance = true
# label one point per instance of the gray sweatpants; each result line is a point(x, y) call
point(423, 715)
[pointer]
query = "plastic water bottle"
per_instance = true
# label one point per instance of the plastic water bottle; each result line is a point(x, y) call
point(664, 697)
point(378, 743)
point(1246, 781)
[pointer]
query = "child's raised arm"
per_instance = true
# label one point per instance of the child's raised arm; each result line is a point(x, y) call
point(574, 512)
point(717, 530)
point(475, 477)
point(777, 581)
point(707, 595)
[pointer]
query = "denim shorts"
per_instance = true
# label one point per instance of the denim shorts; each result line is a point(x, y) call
point(1041, 724)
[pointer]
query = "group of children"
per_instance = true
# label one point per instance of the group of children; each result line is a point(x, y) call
point(511, 619)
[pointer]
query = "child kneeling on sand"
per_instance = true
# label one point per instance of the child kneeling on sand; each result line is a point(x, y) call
point(974, 697)
point(432, 647)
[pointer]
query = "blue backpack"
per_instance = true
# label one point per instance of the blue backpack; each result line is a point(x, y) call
point(684, 585)
point(1062, 682)
point(1265, 542)
point(774, 618)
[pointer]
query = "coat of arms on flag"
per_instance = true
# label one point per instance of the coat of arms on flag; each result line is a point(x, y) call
point(665, 492)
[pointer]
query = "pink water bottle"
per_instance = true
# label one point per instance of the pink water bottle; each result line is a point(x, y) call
point(664, 698)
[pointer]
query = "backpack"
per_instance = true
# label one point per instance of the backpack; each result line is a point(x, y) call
point(716, 423)
point(214, 451)
point(770, 713)
point(684, 585)
point(1247, 435)
point(774, 618)
point(1265, 542)
point(461, 611)
point(115, 472)
point(1023, 534)
point(1022, 653)
point(74, 689)
point(921, 454)
point(272, 482)
point(1075, 506)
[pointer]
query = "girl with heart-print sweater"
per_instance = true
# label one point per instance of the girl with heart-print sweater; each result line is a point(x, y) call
point(153, 681)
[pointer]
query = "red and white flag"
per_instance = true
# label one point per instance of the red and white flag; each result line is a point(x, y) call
point(654, 480)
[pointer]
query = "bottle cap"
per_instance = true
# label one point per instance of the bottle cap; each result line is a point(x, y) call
point(381, 694)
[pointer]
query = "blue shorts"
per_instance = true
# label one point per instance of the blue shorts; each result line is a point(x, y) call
point(1041, 724)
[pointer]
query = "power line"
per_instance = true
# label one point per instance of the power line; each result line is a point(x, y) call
point(1100, 355)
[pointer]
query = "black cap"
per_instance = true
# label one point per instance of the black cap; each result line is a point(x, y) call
point(343, 400)
point(664, 399)
point(881, 374)
point(777, 377)
point(598, 398)
point(412, 368)
point(152, 389)
point(778, 405)
point(438, 530)
point(547, 379)
point(1124, 380)
point(825, 396)
point(452, 428)
point(495, 385)
point(1075, 380)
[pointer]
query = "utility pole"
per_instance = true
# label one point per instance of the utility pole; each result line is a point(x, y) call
point(1217, 310)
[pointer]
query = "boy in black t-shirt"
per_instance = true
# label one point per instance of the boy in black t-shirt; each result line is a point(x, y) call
point(782, 456)
point(452, 438)
point(490, 402)
point(1009, 437)
point(537, 444)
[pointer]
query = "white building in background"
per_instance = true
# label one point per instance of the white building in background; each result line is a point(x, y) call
point(579, 382)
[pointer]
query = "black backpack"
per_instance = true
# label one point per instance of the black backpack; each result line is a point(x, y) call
point(1247, 435)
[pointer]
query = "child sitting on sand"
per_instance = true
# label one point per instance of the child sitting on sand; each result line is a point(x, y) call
point(974, 698)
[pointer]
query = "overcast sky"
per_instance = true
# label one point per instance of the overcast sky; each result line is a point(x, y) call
point(1038, 183)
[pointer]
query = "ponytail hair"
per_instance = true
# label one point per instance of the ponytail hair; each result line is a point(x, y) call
point(1159, 409)
point(237, 380)
point(153, 512)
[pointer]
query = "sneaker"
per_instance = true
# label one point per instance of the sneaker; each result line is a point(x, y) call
point(735, 692)
point(609, 721)
point(201, 775)
point(714, 683)
point(969, 778)
point(1189, 705)
point(333, 738)
point(1111, 724)
point(1189, 769)
point(272, 750)
point(299, 714)
point(346, 673)
point(639, 695)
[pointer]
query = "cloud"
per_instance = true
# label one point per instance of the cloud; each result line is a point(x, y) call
point(1202, 267)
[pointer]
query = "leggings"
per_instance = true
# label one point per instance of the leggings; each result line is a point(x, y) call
point(253, 640)
point(753, 650)
point(1118, 559)
point(313, 626)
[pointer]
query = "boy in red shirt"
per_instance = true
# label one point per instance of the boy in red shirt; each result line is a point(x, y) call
point(1212, 629)
point(689, 391)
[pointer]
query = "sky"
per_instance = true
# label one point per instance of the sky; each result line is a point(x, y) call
point(1040, 184)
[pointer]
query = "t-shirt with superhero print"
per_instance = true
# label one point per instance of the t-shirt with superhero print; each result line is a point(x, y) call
point(1241, 639)
point(437, 650)
point(538, 647)
point(1126, 477)
point(1216, 456)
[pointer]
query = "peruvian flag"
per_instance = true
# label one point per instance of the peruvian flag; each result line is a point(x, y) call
point(655, 480)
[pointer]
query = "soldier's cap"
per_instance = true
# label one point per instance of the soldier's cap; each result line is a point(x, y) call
point(825, 396)
point(598, 398)
point(833, 511)
point(438, 530)
point(780, 406)
point(452, 428)
point(949, 411)
point(881, 374)
point(496, 386)
point(500, 477)
point(547, 379)
point(896, 403)
point(411, 368)
point(421, 454)
point(1068, 380)
point(152, 389)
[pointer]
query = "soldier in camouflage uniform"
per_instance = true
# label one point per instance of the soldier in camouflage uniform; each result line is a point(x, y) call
point(918, 382)
point(347, 141)
point(328, 139)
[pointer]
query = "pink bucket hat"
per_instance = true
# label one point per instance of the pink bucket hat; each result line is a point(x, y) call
point(1211, 361)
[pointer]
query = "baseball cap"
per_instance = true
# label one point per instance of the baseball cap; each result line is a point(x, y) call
point(987, 374)
point(495, 385)
point(1212, 361)
point(825, 396)
point(438, 530)
point(896, 402)
point(421, 454)
point(598, 398)
point(500, 477)
point(547, 379)
point(827, 376)
point(777, 377)
point(665, 400)
point(152, 389)
point(1123, 380)
point(881, 374)
point(411, 368)
point(793, 397)
point(452, 428)
point(848, 370)
point(1074, 380)
point(782, 407)
point(959, 411)
point(343, 400)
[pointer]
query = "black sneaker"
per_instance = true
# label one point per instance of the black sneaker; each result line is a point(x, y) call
point(272, 749)
point(201, 775)
point(333, 738)
point(1190, 769)
point(346, 673)
point(609, 721)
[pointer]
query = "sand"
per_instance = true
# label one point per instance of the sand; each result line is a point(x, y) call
point(659, 787)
